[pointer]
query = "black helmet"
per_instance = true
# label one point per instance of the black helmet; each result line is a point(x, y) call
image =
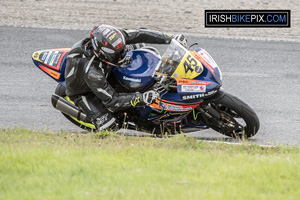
point(108, 44)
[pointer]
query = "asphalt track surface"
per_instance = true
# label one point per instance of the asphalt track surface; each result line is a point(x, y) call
point(265, 74)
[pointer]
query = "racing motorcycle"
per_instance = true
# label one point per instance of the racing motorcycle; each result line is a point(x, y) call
point(189, 84)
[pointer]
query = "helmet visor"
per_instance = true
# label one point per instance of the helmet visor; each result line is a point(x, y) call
point(116, 58)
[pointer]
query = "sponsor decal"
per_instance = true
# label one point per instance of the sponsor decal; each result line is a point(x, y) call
point(44, 56)
point(48, 56)
point(107, 50)
point(191, 82)
point(106, 31)
point(208, 58)
point(205, 58)
point(101, 29)
point(57, 58)
point(102, 119)
point(95, 41)
point(36, 55)
point(178, 108)
point(52, 73)
point(198, 96)
point(198, 69)
point(162, 105)
point(110, 33)
point(53, 58)
point(138, 80)
point(182, 82)
point(172, 106)
point(112, 36)
point(117, 42)
point(135, 101)
point(119, 46)
point(193, 88)
point(199, 82)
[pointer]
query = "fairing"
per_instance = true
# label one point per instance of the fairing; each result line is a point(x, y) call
point(52, 62)
point(138, 74)
point(196, 74)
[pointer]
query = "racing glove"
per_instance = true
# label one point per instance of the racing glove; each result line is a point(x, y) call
point(131, 47)
point(181, 39)
point(146, 98)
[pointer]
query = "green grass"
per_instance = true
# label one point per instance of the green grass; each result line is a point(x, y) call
point(60, 165)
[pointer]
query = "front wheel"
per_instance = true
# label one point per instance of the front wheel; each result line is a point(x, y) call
point(235, 118)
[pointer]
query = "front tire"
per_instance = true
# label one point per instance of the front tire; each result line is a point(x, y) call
point(236, 118)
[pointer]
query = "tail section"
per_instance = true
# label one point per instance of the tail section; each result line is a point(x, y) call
point(52, 62)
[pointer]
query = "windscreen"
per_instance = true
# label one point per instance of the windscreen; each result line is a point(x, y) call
point(178, 62)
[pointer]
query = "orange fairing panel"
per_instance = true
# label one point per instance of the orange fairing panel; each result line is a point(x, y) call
point(51, 72)
point(174, 106)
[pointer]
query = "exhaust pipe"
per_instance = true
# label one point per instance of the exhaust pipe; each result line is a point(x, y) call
point(68, 108)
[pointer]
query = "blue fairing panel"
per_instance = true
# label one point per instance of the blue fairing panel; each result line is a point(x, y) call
point(139, 73)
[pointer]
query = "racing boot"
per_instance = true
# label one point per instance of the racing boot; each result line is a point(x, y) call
point(100, 116)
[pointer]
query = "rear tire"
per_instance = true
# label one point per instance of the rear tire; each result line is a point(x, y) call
point(237, 119)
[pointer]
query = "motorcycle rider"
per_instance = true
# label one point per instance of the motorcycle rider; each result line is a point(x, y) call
point(89, 63)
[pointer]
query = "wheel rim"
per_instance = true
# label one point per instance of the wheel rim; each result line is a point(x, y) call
point(230, 123)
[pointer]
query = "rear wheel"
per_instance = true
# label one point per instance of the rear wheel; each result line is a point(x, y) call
point(61, 91)
point(236, 118)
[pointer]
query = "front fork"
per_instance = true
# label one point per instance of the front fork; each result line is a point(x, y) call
point(208, 112)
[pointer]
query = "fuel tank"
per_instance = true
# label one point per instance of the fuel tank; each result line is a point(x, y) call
point(138, 74)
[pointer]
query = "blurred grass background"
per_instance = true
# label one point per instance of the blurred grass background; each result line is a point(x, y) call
point(63, 165)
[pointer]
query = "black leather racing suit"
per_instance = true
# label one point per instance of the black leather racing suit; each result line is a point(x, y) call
point(86, 82)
